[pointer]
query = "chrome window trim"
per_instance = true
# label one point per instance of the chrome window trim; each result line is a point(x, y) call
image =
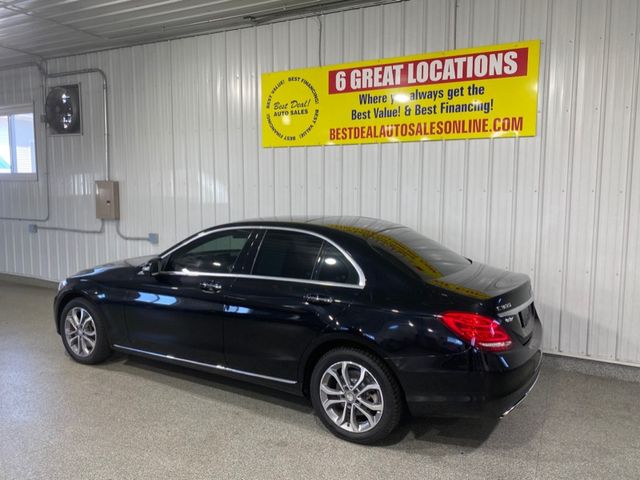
point(515, 310)
point(206, 365)
point(361, 277)
point(263, 277)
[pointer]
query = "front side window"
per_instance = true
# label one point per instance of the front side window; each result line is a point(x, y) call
point(215, 253)
point(17, 143)
point(287, 254)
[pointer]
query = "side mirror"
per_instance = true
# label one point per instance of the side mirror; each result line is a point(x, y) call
point(152, 267)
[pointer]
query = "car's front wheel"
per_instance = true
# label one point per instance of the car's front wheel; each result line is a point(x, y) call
point(84, 332)
point(355, 395)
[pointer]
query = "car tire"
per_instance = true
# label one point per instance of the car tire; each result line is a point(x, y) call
point(84, 332)
point(355, 395)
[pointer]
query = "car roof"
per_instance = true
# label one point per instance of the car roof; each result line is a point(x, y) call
point(346, 223)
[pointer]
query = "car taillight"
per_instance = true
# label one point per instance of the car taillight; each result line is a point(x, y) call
point(482, 332)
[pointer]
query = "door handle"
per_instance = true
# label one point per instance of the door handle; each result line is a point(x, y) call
point(318, 299)
point(210, 286)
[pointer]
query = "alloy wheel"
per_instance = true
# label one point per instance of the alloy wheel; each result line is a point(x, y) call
point(80, 331)
point(351, 396)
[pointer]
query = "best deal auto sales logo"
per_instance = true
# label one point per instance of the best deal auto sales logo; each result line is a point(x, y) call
point(292, 108)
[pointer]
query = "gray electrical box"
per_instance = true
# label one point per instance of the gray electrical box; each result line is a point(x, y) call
point(107, 200)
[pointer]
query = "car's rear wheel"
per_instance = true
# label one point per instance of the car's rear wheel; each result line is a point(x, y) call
point(355, 395)
point(84, 332)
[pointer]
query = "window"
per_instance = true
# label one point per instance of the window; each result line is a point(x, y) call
point(423, 255)
point(215, 253)
point(287, 254)
point(334, 267)
point(306, 257)
point(17, 143)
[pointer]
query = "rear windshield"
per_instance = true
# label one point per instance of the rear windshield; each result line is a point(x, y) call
point(422, 255)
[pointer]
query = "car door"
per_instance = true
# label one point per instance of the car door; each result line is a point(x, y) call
point(179, 311)
point(287, 299)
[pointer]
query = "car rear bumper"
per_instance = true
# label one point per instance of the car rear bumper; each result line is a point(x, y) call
point(471, 384)
point(490, 401)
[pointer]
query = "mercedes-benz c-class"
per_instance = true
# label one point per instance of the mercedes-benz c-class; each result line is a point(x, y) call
point(365, 317)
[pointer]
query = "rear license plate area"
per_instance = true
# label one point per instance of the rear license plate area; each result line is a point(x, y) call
point(526, 318)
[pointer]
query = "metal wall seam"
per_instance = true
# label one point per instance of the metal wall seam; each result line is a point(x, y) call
point(546, 75)
point(616, 137)
point(630, 329)
point(569, 180)
point(622, 291)
point(596, 221)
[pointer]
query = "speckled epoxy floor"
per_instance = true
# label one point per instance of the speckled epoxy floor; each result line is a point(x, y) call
point(136, 419)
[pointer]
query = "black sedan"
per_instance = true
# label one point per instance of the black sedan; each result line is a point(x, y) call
point(364, 316)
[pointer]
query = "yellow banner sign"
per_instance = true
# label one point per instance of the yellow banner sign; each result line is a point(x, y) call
point(471, 93)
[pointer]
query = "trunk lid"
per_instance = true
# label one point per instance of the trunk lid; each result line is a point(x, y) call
point(500, 294)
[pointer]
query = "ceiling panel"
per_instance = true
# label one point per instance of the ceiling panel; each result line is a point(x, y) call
point(39, 29)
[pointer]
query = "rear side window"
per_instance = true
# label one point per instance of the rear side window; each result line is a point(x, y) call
point(334, 267)
point(215, 253)
point(287, 254)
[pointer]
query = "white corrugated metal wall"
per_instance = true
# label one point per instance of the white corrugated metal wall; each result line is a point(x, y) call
point(562, 206)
